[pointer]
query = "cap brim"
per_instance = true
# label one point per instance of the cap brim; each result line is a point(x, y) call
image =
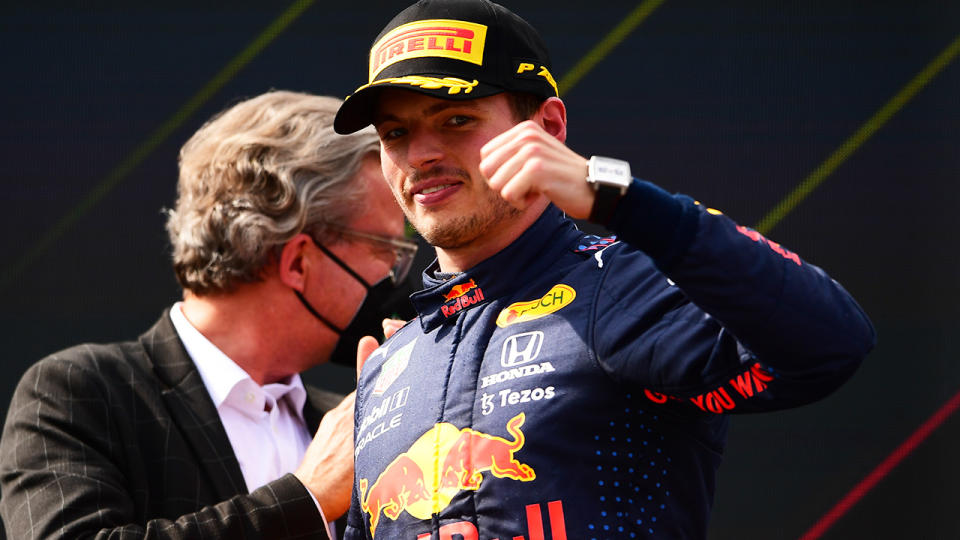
point(358, 110)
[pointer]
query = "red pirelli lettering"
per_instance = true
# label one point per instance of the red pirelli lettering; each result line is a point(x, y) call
point(413, 40)
point(431, 32)
point(395, 50)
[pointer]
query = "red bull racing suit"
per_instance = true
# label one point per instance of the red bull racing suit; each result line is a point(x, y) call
point(576, 387)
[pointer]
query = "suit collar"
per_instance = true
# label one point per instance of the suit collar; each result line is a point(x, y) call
point(221, 375)
point(192, 408)
point(196, 415)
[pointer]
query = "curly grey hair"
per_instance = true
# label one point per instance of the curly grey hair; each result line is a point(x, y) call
point(255, 176)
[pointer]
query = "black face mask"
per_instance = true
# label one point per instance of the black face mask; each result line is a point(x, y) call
point(384, 299)
point(380, 303)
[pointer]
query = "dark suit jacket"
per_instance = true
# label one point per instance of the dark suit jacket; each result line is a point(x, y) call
point(123, 441)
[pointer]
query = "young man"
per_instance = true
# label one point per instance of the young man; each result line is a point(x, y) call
point(202, 428)
point(557, 384)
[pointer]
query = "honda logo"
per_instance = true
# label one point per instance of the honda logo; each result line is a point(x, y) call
point(521, 348)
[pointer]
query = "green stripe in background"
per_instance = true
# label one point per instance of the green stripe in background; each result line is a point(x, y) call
point(159, 135)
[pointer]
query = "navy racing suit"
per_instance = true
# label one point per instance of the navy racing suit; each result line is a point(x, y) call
point(576, 387)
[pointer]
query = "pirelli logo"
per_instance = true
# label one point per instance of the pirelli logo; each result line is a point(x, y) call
point(443, 38)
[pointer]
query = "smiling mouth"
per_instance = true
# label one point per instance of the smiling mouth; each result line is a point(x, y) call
point(436, 186)
point(434, 189)
point(437, 194)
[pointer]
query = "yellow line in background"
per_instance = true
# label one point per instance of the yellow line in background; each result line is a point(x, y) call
point(858, 138)
point(144, 149)
point(607, 44)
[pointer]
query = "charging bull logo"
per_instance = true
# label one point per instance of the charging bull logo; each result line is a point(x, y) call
point(460, 299)
point(558, 297)
point(412, 482)
point(459, 290)
point(397, 488)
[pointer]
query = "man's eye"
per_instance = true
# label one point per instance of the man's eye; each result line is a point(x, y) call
point(391, 134)
point(458, 120)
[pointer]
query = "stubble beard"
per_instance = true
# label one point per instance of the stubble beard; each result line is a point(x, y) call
point(462, 230)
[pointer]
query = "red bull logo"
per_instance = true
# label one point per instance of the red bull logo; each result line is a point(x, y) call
point(474, 452)
point(459, 290)
point(399, 486)
point(458, 295)
point(439, 464)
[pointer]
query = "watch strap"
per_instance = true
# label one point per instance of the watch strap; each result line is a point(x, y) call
point(605, 203)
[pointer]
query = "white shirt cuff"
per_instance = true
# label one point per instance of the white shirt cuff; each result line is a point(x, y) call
point(331, 526)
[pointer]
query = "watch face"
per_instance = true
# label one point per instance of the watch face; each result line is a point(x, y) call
point(609, 171)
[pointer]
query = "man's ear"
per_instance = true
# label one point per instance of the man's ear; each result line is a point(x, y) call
point(552, 115)
point(293, 265)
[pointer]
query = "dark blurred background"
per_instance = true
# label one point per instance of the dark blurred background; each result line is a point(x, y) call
point(735, 103)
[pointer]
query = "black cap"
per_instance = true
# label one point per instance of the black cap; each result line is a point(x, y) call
point(451, 49)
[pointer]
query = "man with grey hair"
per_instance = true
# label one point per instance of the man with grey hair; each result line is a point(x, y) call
point(202, 427)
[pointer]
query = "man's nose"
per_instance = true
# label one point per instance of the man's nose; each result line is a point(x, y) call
point(425, 149)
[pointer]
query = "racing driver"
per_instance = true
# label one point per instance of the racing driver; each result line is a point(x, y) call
point(557, 384)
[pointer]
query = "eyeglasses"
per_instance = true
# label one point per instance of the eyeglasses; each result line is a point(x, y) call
point(403, 250)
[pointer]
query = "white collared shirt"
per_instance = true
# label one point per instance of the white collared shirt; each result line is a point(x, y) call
point(268, 436)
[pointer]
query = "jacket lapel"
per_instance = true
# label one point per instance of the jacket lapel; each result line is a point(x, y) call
point(192, 409)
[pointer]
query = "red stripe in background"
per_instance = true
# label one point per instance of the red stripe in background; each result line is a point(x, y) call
point(875, 476)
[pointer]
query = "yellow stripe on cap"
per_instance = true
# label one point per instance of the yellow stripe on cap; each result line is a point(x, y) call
point(440, 38)
point(452, 84)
